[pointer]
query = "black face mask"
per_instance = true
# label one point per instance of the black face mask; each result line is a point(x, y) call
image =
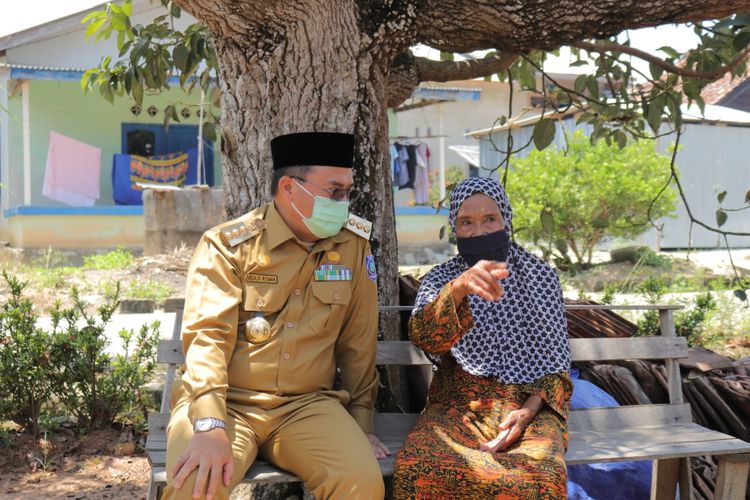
point(493, 246)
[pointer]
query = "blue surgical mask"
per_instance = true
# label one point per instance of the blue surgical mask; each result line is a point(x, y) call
point(328, 216)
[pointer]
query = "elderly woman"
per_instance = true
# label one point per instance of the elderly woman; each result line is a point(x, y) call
point(492, 319)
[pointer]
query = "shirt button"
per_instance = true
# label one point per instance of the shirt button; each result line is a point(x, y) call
point(297, 291)
point(336, 296)
point(290, 325)
point(286, 356)
point(260, 303)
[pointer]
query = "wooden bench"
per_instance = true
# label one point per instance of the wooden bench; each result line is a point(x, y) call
point(664, 433)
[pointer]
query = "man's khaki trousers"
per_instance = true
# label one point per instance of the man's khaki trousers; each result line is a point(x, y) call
point(314, 438)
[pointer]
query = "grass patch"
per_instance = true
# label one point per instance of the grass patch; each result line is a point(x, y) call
point(150, 289)
point(116, 259)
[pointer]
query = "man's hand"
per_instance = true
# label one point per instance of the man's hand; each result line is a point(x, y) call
point(211, 453)
point(381, 451)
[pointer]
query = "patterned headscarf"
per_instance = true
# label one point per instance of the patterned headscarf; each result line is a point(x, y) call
point(523, 336)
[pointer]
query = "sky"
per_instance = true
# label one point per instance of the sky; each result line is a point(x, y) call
point(19, 15)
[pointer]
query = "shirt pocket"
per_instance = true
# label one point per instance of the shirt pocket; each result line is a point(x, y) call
point(266, 298)
point(333, 298)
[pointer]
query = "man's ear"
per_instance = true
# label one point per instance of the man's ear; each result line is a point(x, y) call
point(285, 185)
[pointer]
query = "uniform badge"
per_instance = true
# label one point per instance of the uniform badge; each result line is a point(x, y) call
point(332, 272)
point(359, 226)
point(235, 234)
point(261, 278)
point(372, 272)
point(257, 329)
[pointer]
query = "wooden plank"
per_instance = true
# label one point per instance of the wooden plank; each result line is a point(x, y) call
point(596, 419)
point(664, 475)
point(585, 449)
point(170, 351)
point(404, 353)
point(731, 480)
point(635, 307)
point(608, 349)
point(674, 378)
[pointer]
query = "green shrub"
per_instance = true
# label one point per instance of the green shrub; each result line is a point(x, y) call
point(116, 259)
point(25, 368)
point(93, 386)
point(689, 323)
point(573, 199)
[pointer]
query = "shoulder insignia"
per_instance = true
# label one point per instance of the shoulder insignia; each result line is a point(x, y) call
point(235, 234)
point(359, 226)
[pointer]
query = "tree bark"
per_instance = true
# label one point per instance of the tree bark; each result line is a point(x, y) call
point(337, 65)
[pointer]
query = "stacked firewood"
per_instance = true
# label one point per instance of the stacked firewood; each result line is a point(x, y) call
point(717, 388)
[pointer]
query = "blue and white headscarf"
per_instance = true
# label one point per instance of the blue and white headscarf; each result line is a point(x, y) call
point(523, 336)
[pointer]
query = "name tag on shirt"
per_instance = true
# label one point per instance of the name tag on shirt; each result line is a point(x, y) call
point(333, 272)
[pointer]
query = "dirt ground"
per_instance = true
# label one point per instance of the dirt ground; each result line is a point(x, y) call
point(106, 465)
point(99, 466)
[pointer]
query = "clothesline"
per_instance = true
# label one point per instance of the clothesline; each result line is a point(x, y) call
point(409, 137)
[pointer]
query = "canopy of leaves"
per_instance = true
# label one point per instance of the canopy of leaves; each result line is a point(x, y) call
point(574, 198)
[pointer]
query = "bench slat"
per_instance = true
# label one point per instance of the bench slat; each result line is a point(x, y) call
point(406, 354)
point(650, 443)
point(603, 419)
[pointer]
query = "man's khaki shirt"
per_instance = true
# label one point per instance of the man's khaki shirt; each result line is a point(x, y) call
point(316, 326)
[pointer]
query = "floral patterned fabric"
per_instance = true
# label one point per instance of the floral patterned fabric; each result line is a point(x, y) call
point(441, 456)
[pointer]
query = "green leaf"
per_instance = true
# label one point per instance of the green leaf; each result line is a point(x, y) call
point(547, 220)
point(747, 197)
point(97, 14)
point(580, 84)
point(86, 78)
point(561, 245)
point(209, 132)
point(442, 232)
point(137, 91)
point(93, 27)
point(620, 138)
point(741, 41)
point(600, 223)
point(721, 217)
point(527, 76)
point(655, 109)
point(120, 21)
point(656, 71)
point(592, 84)
point(544, 133)
point(106, 91)
point(180, 57)
point(175, 10)
point(579, 62)
point(721, 196)
point(127, 8)
point(741, 294)
point(672, 53)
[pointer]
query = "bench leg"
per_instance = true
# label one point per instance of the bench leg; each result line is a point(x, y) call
point(155, 491)
point(731, 481)
point(667, 475)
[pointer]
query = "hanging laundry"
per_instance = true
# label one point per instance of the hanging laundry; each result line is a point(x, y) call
point(72, 172)
point(403, 158)
point(158, 171)
point(422, 177)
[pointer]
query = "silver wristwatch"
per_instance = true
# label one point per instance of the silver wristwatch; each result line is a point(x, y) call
point(208, 423)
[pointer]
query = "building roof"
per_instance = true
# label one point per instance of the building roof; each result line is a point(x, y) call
point(690, 114)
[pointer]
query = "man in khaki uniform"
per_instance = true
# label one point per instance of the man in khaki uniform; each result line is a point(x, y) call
point(277, 300)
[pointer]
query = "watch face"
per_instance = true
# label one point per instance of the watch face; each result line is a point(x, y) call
point(203, 424)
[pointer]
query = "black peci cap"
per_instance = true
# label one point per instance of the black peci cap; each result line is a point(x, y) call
point(331, 149)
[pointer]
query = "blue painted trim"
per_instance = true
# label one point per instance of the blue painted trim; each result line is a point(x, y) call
point(46, 74)
point(447, 94)
point(35, 210)
point(65, 75)
point(420, 211)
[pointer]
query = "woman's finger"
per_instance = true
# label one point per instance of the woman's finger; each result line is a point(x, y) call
point(200, 479)
point(488, 283)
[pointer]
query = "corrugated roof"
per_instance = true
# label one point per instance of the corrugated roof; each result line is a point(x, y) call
point(40, 68)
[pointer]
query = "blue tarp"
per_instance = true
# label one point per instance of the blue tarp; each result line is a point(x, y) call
point(607, 481)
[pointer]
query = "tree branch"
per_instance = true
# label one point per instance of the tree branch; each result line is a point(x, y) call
point(602, 47)
point(446, 71)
